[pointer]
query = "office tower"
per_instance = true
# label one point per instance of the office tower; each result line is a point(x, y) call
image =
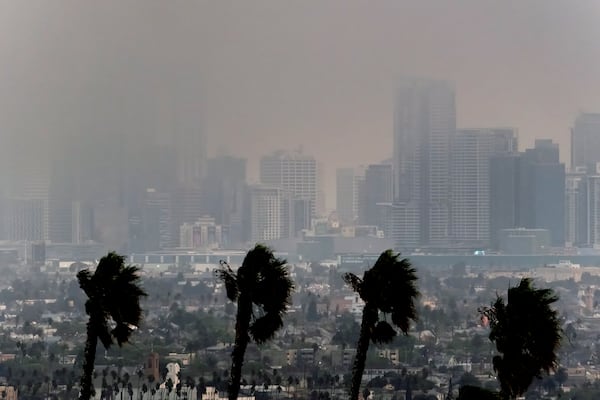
point(528, 191)
point(593, 211)
point(472, 151)
point(25, 219)
point(191, 156)
point(27, 190)
point(186, 203)
point(585, 141)
point(378, 190)
point(424, 124)
point(320, 198)
point(295, 173)
point(576, 207)
point(223, 194)
point(157, 221)
point(187, 137)
point(544, 190)
point(82, 222)
point(270, 209)
point(345, 195)
point(349, 189)
point(504, 188)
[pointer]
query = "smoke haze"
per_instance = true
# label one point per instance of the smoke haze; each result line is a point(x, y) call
point(262, 75)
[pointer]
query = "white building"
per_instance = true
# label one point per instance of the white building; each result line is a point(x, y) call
point(269, 213)
point(202, 234)
point(295, 173)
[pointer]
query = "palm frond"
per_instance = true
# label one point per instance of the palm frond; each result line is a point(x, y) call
point(254, 262)
point(265, 327)
point(274, 287)
point(229, 278)
point(391, 285)
point(383, 333)
point(353, 281)
point(84, 277)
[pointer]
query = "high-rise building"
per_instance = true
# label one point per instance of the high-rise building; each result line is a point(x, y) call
point(576, 220)
point(25, 219)
point(27, 189)
point(295, 173)
point(472, 151)
point(157, 222)
point(223, 194)
point(504, 199)
point(424, 124)
point(186, 203)
point(593, 211)
point(270, 213)
point(378, 190)
point(528, 191)
point(585, 141)
point(350, 194)
point(544, 190)
point(346, 195)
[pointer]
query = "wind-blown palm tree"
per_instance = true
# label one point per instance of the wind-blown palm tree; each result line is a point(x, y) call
point(262, 289)
point(113, 306)
point(388, 287)
point(527, 334)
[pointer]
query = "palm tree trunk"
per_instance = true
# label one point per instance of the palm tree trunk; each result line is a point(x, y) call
point(242, 323)
point(369, 318)
point(89, 356)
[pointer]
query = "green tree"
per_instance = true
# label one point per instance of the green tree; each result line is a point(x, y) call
point(527, 334)
point(388, 287)
point(262, 288)
point(113, 307)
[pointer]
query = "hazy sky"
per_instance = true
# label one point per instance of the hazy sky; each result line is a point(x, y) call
point(280, 74)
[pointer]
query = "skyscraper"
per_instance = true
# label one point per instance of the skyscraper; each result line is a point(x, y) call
point(270, 209)
point(223, 194)
point(295, 173)
point(378, 189)
point(472, 151)
point(543, 191)
point(504, 195)
point(528, 191)
point(425, 122)
point(585, 141)
point(593, 211)
point(576, 220)
point(345, 195)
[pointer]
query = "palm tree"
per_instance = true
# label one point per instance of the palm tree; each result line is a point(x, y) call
point(262, 288)
point(113, 306)
point(527, 334)
point(388, 287)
